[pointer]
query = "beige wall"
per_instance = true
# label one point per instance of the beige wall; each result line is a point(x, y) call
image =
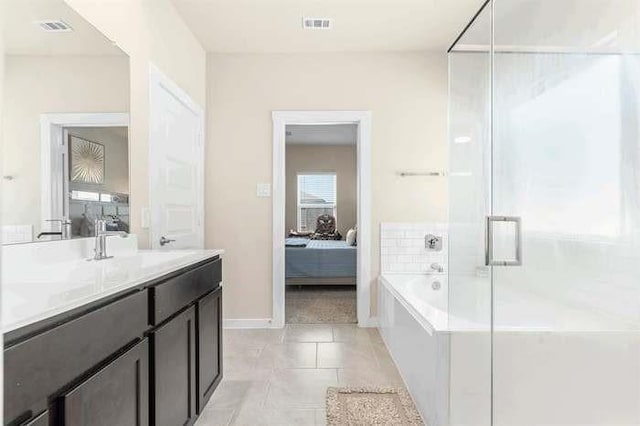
point(149, 31)
point(406, 93)
point(35, 85)
point(338, 159)
point(2, 172)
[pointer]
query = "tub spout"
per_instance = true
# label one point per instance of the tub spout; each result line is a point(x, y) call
point(437, 267)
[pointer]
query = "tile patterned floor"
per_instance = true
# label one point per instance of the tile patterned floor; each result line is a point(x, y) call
point(280, 377)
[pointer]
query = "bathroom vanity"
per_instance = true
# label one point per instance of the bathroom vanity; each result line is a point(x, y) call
point(133, 340)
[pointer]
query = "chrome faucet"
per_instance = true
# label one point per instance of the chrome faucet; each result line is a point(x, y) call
point(65, 229)
point(437, 267)
point(100, 248)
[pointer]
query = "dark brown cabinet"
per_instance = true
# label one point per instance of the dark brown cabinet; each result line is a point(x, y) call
point(209, 311)
point(117, 394)
point(41, 420)
point(149, 356)
point(174, 357)
point(39, 366)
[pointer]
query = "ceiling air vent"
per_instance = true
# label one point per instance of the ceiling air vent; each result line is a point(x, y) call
point(316, 23)
point(54, 26)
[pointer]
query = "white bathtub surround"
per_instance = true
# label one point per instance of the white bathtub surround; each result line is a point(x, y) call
point(42, 280)
point(411, 320)
point(403, 251)
point(445, 359)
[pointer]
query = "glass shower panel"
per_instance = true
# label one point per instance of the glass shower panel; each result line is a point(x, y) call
point(566, 160)
point(469, 182)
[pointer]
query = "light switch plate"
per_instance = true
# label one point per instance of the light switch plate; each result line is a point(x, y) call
point(264, 190)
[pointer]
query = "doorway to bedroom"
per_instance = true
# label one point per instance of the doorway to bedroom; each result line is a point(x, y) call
point(321, 205)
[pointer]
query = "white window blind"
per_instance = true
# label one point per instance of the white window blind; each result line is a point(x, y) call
point(317, 195)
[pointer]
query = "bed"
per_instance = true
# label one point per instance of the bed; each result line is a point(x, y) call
point(319, 262)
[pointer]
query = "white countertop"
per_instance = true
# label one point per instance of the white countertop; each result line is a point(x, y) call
point(43, 290)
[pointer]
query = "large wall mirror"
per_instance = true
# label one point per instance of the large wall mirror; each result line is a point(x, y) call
point(65, 144)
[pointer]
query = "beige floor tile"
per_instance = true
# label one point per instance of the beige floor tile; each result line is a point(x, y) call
point(254, 374)
point(374, 335)
point(241, 341)
point(215, 417)
point(350, 333)
point(308, 333)
point(234, 394)
point(357, 377)
point(288, 355)
point(346, 355)
point(240, 361)
point(382, 355)
point(321, 417)
point(275, 417)
point(244, 367)
point(300, 388)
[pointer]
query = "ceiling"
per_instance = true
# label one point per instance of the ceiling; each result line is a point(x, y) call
point(23, 37)
point(323, 134)
point(583, 26)
point(275, 26)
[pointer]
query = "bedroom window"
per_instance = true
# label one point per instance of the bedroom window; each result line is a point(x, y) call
point(316, 196)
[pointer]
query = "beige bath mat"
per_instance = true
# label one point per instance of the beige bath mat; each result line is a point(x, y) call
point(371, 406)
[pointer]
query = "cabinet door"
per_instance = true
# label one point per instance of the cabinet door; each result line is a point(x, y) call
point(209, 345)
point(174, 358)
point(41, 420)
point(118, 394)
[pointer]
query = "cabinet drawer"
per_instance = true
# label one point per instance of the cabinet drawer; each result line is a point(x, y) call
point(174, 294)
point(40, 366)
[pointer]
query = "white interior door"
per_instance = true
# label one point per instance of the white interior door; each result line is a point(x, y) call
point(176, 162)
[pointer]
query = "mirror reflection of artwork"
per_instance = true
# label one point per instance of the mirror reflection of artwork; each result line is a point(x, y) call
point(86, 161)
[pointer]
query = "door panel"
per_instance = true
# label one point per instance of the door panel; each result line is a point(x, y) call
point(176, 166)
point(566, 342)
point(118, 394)
point(209, 345)
point(174, 351)
point(469, 283)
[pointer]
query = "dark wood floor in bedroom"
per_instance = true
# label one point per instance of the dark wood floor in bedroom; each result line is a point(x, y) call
point(321, 304)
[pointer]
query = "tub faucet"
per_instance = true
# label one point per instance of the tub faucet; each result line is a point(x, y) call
point(100, 248)
point(437, 267)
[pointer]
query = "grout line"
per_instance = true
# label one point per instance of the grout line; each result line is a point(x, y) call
point(232, 416)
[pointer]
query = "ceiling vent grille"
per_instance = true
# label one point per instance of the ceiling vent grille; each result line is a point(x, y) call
point(54, 26)
point(316, 23)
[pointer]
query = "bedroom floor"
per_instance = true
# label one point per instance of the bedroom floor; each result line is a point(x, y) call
point(279, 377)
point(310, 304)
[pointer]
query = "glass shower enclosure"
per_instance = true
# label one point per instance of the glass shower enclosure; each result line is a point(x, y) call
point(544, 238)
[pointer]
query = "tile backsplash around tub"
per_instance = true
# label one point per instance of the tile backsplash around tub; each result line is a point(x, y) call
point(403, 251)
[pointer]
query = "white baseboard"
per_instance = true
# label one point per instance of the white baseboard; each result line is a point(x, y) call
point(248, 323)
point(371, 323)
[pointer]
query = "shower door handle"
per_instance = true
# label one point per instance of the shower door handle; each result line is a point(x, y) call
point(489, 259)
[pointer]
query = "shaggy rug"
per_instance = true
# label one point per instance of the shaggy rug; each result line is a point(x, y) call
point(321, 306)
point(371, 406)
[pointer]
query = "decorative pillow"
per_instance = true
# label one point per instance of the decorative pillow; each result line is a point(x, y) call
point(351, 237)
